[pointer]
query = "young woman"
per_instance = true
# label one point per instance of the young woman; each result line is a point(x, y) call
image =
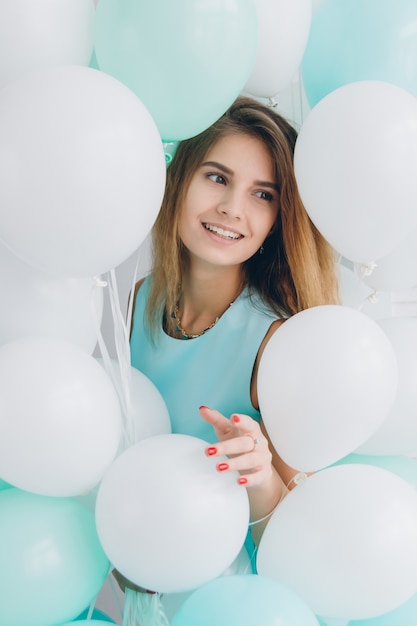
point(234, 255)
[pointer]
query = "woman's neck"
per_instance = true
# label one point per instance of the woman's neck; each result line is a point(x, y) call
point(205, 296)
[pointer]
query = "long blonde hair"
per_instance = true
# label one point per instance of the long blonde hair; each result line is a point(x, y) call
point(297, 269)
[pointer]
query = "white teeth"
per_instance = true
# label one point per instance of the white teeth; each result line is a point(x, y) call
point(223, 233)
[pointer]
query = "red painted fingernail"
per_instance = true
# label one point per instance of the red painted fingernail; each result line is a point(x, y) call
point(242, 480)
point(203, 406)
point(236, 419)
point(222, 467)
point(211, 451)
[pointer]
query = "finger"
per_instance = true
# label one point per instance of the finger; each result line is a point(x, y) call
point(241, 445)
point(220, 423)
point(246, 425)
point(253, 480)
point(247, 463)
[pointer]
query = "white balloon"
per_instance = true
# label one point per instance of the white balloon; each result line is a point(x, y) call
point(60, 421)
point(326, 382)
point(36, 303)
point(166, 518)
point(82, 170)
point(346, 540)
point(398, 433)
point(147, 412)
point(283, 27)
point(355, 159)
point(42, 33)
point(396, 271)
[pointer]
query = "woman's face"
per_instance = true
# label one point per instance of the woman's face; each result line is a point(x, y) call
point(231, 204)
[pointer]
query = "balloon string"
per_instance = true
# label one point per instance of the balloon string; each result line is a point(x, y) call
point(107, 361)
point(358, 276)
point(121, 329)
point(121, 339)
point(115, 594)
point(366, 270)
point(143, 609)
point(91, 609)
point(98, 283)
point(297, 479)
point(300, 95)
point(122, 344)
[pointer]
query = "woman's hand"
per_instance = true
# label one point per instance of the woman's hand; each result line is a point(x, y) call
point(240, 438)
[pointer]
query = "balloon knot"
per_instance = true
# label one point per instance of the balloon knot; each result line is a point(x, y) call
point(367, 268)
point(298, 479)
point(272, 103)
point(373, 297)
point(98, 282)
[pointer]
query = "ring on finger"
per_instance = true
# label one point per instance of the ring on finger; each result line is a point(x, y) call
point(256, 440)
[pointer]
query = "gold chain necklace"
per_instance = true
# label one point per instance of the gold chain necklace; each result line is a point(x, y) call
point(183, 332)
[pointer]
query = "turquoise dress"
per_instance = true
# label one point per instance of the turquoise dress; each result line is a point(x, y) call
point(214, 369)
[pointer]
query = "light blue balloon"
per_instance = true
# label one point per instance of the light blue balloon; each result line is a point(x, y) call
point(97, 615)
point(4, 485)
point(93, 61)
point(52, 564)
point(86, 622)
point(244, 601)
point(170, 149)
point(187, 61)
point(353, 40)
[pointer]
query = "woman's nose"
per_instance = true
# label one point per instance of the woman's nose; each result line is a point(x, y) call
point(232, 205)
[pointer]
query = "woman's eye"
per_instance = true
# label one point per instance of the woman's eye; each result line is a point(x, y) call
point(217, 178)
point(265, 195)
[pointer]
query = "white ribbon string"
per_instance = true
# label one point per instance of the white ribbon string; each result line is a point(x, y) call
point(107, 361)
point(121, 340)
point(143, 609)
point(115, 594)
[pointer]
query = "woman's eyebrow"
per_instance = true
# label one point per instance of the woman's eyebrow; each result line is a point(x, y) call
point(265, 183)
point(219, 166)
point(226, 170)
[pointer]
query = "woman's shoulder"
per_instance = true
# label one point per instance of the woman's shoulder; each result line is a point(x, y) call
point(138, 286)
point(142, 285)
point(257, 305)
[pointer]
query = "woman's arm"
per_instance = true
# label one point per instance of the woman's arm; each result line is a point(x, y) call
point(250, 451)
point(241, 439)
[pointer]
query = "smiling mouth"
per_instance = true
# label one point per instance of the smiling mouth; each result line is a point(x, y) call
point(227, 234)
